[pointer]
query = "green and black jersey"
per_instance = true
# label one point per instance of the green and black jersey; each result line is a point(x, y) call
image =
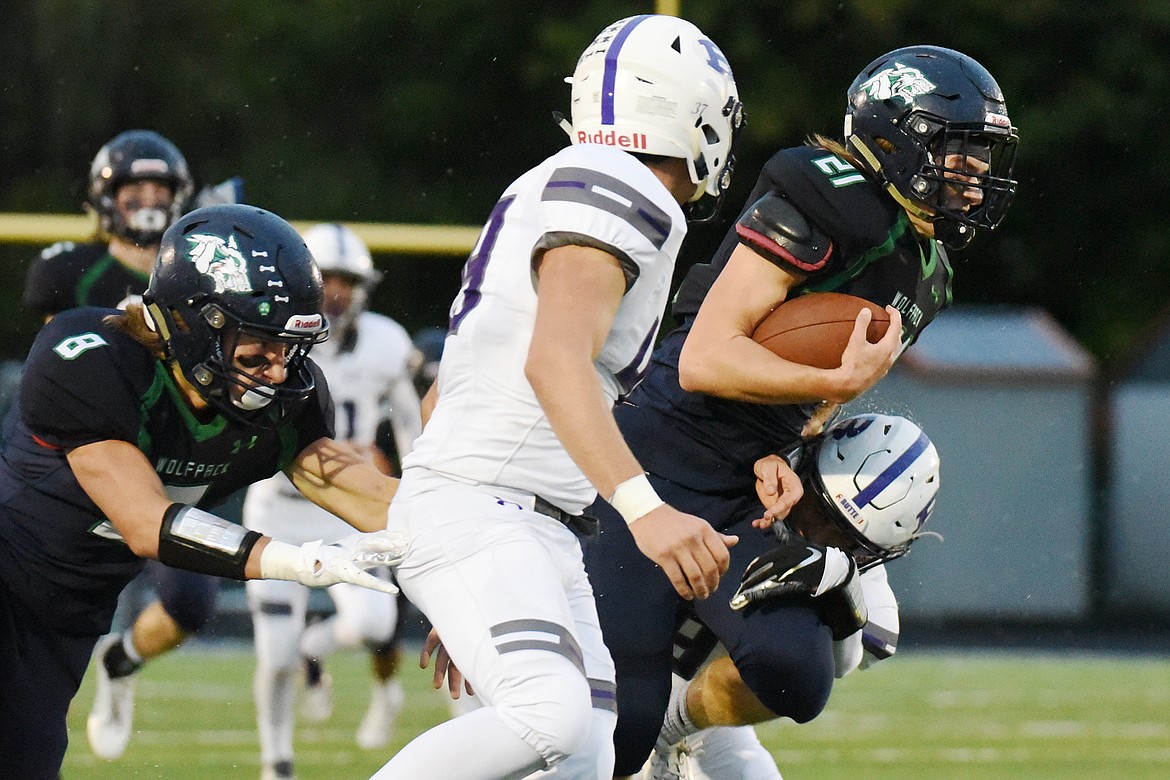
point(709, 443)
point(67, 275)
point(87, 382)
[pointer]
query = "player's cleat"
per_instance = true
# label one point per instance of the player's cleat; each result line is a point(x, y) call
point(386, 701)
point(668, 762)
point(112, 717)
point(281, 770)
point(317, 698)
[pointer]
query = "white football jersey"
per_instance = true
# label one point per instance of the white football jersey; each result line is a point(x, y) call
point(488, 427)
point(369, 379)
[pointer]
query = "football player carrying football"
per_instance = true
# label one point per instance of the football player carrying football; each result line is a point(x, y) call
point(926, 161)
point(128, 424)
point(561, 302)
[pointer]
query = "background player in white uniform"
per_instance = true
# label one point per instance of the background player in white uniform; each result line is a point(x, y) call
point(365, 362)
point(560, 304)
point(885, 453)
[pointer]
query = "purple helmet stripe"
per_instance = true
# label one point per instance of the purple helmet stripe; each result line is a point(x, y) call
point(894, 471)
point(610, 75)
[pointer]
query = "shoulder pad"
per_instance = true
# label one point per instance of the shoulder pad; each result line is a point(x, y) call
point(773, 227)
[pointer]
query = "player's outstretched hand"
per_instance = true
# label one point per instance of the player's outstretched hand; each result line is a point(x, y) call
point(320, 565)
point(863, 364)
point(444, 667)
point(692, 553)
point(778, 488)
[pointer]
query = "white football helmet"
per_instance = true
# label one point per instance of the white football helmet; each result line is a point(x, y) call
point(338, 250)
point(880, 474)
point(654, 84)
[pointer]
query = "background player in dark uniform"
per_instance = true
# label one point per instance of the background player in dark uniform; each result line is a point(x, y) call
point(129, 423)
point(139, 183)
point(927, 160)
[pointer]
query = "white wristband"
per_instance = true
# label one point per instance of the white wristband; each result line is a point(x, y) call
point(282, 561)
point(635, 498)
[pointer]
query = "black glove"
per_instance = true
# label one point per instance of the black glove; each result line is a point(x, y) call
point(800, 568)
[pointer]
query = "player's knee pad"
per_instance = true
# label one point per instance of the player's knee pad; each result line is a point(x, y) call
point(548, 704)
point(643, 692)
point(189, 598)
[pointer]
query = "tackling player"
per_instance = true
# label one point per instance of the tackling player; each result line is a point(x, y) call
point(139, 183)
point(130, 423)
point(560, 304)
point(927, 160)
point(887, 456)
point(366, 362)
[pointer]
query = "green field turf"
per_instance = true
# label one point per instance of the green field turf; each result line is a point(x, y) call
point(922, 715)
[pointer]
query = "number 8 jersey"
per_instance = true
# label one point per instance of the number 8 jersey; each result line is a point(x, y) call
point(488, 427)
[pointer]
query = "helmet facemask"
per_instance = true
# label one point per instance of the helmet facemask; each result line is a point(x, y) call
point(205, 356)
point(914, 117)
point(955, 215)
point(712, 190)
point(133, 156)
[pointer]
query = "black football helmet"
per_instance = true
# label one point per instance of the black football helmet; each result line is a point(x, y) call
point(138, 155)
point(227, 270)
point(910, 109)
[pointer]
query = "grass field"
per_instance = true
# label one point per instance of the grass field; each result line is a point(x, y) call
point(922, 715)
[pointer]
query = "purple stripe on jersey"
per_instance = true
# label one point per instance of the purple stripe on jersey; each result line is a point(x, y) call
point(895, 469)
point(632, 374)
point(609, 77)
point(476, 267)
point(564, 183)
point(654, 222)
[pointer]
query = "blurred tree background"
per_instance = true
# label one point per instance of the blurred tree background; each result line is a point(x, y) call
point(393, 111)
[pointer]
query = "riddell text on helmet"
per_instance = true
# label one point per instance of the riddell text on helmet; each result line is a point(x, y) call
point(612, 138)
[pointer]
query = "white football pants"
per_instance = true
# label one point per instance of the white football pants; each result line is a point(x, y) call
point(507, 591)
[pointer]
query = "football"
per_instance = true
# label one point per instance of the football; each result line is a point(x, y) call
point(814, 328)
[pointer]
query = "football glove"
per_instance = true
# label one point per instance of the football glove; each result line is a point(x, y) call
point(320, 565)
point(823, 573)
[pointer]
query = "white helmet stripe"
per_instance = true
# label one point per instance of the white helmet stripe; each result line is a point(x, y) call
point(609, 77)
point(895, 469)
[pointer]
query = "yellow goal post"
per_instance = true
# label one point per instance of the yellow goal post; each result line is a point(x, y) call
point(380, 237)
